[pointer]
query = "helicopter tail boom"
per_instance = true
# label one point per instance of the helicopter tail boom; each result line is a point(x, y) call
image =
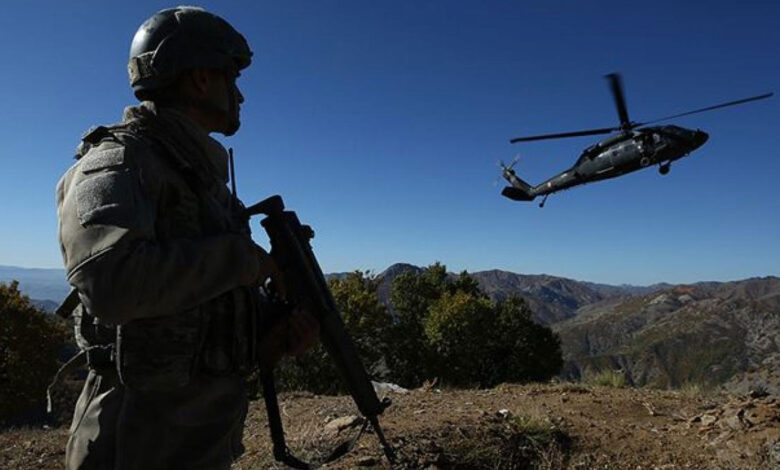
point(520, 190)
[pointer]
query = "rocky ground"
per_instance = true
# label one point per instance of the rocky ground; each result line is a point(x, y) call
point(555, 426)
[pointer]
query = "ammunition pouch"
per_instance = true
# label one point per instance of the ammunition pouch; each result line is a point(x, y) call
point(214, 339)
point(159, 353)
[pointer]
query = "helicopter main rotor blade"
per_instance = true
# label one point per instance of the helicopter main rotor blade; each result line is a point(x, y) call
point(620, 102)
point(708, 108)
point(605, 130)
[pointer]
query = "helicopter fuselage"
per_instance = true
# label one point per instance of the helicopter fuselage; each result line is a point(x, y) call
point(623, 153)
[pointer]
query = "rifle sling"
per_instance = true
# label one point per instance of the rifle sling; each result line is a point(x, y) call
point(281, 451)
point(66, 308)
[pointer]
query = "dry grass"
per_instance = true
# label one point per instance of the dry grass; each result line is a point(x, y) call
point(512, 443)
point(608, 378)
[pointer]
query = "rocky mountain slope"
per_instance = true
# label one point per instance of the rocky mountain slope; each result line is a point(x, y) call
point(704, 334)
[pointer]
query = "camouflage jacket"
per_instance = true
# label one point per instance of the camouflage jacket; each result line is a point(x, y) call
point(154, 243)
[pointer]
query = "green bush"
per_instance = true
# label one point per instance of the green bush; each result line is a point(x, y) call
point(525, 350)
point(366, 319)
point(411, 295)
point(459, 328)
point(30, 342)
point(451, 330)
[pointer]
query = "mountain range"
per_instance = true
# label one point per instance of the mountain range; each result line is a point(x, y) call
point(552, 299)
point(664, 335)
point(45, 287)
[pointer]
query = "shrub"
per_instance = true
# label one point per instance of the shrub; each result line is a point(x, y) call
point(30, 341)
point(451, 330)
point(459, 328)
point(366, 319)
point(527, 350)
point(410, 359)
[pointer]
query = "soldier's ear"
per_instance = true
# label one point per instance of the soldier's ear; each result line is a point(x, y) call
point(201, 80)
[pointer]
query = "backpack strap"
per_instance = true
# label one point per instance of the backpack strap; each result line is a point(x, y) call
point(66, 308)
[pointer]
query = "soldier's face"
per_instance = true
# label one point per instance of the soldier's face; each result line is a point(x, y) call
point(227, 99)
point(216, 99)
point(233, 99)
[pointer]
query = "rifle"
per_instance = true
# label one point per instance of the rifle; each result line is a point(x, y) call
point(306, 288)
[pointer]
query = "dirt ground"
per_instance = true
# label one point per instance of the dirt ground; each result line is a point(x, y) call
point(555, 426)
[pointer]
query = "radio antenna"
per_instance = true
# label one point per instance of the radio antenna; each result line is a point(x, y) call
point(232, 172)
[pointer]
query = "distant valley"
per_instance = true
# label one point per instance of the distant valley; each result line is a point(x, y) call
point(46, 287)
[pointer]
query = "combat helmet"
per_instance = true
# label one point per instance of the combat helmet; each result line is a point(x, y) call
point(182, 38)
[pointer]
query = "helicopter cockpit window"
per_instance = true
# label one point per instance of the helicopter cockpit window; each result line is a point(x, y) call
point(675, 130)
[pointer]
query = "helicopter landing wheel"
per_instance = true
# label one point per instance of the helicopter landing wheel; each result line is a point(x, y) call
point(664, 169)
point(644, 161)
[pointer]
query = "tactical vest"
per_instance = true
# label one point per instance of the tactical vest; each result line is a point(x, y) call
point(214, 338)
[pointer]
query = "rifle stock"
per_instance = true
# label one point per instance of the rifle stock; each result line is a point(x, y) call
point(307, 289)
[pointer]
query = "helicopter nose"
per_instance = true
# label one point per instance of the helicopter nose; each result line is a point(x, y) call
point(699, 138)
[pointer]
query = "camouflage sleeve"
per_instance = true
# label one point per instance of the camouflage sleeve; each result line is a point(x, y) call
point(106, 207)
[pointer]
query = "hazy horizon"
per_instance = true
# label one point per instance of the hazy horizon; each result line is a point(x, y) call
point(4, 267)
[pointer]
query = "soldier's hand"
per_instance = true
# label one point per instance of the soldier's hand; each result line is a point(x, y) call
point(293, 335)
point(270, 273)
point(303, 333)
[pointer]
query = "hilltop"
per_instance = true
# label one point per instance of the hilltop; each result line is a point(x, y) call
point(544, 426)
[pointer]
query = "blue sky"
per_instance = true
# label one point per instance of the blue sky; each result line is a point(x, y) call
point(381, 123)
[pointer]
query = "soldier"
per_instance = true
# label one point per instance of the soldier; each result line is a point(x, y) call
point(166, 274)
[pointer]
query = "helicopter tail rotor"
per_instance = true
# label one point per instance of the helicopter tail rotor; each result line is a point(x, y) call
point(504, 167)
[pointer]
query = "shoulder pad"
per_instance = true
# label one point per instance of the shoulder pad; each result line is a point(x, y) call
point(103, 157)
point(95, 134)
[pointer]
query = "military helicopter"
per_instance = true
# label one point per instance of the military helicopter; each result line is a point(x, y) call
point(633, 147)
